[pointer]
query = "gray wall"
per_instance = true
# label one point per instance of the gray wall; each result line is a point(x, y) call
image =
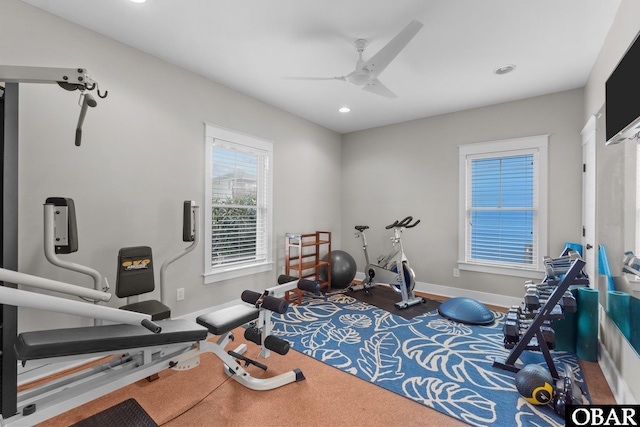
point(142, 155)
point(620, 360)
point(412, 169)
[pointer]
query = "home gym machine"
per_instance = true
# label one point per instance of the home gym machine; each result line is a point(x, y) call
point(392, 268)
point(70, 79)
point(61, 237)
point(13, 76)
point(135, 268)
point(135, 274)
point(140, 347)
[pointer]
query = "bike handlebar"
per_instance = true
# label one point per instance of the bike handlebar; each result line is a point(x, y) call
point(413, 225)
point(404, 223)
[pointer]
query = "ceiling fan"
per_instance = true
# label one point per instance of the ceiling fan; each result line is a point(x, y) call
point(366, 73)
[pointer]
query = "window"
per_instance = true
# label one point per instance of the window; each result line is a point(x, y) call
point(503, 216)
point(238, 214)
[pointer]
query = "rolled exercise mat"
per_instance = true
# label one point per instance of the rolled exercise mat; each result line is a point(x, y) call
point(566, 329)
point(618, 311)
point(603, 266)
point(587, 333)
point(634, 316)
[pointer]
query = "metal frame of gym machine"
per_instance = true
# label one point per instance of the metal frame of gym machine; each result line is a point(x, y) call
point(12, 76)
point(176, 349)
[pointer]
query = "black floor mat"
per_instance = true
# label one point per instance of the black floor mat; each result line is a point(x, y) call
point(128, 413)
point(385, 298)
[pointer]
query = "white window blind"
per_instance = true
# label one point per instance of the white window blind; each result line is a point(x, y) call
point(239, 198)
point(502, 204)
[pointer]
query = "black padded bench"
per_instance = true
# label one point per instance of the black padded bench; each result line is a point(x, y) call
point(222, 321)
point(107, 338)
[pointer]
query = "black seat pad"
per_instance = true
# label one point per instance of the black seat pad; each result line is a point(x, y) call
point(222, 321)
point(153, 308)
point(107, 338)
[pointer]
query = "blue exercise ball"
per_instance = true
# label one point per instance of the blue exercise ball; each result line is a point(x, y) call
point(343, 269)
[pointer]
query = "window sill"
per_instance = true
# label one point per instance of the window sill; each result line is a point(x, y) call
point(503, 271)
point(235, 272)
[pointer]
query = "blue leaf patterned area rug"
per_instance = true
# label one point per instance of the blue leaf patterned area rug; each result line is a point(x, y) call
point(441, 364)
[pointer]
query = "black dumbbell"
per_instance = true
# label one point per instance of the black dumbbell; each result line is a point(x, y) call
point(511, 331)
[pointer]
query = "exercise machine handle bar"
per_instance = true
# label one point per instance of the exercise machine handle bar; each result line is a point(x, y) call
point(191, 221)
point(404, 223)
point(22, 298)
point(70, 79)
point(50, 254)
point(11, 276)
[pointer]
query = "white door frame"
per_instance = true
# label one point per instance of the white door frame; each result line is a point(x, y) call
point(589, 207)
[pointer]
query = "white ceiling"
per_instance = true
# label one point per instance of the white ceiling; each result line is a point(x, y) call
point(252, 45)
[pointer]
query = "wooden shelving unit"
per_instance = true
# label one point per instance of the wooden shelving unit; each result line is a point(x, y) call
point(303, 259)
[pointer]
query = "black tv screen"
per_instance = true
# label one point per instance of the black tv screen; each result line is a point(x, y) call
point(622, 96)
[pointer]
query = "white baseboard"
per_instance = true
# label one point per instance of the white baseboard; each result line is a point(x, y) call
point(620, 369)
point(619, 388)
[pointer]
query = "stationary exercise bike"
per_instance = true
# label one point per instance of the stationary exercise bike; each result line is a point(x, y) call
point(387, 269)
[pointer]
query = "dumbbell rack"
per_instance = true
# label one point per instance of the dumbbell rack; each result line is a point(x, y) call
point(546, 313)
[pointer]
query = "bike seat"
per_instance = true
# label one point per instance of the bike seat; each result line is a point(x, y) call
point(361, 228)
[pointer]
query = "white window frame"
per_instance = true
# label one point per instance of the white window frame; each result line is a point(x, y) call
point(226, 136)
point(539, 145)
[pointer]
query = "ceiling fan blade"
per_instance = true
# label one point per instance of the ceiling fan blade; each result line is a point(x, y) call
point(380, 60)
point(375, 86)
point(313, 78)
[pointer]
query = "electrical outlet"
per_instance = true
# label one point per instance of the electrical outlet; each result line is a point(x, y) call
point(180, 294)
point(456, 272)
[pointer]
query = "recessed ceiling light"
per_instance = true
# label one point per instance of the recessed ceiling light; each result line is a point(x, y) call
point(344, 109)
point(504, 69)
point(138, 1)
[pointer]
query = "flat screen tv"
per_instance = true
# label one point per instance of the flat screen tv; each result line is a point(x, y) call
point(622, 96)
